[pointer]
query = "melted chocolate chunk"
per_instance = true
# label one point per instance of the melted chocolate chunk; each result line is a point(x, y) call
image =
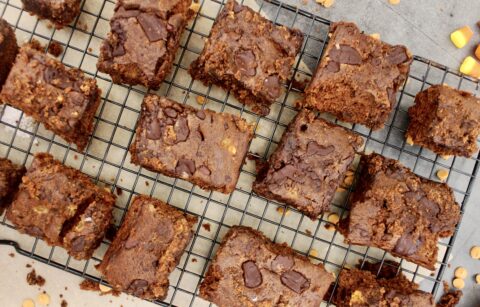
point(138, 287)
point(295, 281)
point(200, 114)
point(78, 244)
point(185, 166)
point(252, 276)
point(333, 67)
point(313, 148)
point(345, 55)
point(181, 129)
point(245, 62)
point(154, 131)
point(117, 48)
point(282, 263)
point(272, 85)
point(397, 55)
point(406, 245)
point(155, 28)
point(204, 170)
point(170, 112)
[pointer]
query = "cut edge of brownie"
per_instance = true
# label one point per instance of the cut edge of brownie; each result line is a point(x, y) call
point(60, 17)
point(8, 50)
point(13, 179)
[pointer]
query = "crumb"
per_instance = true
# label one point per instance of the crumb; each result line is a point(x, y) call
point(194, 259)
point(206, 226)
point(66, 288)
point(146, 183)
point(82, 25)
point(119, 191)
point(308, 232)
point(55, 49)
point(28, 265)
point(89, 285)
point(61, 295)
point(64, 303)
point(90, 49)
point(11, 255)
point(49, 26)
point(34, 279)
point(450, 299)
point(75, 157)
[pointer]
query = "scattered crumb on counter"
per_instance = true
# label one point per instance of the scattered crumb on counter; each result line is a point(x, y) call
point(64, 303)
point(119, 191)
point(308, 232)
point(450, 299)
point(28, 265)
point(34, 279)
point(90, 49)
point(442, 174)
point(11, 255)
point(55, 49)
point(147, 183)
point(477, 279)
point(206, 226)
point(194, 259)
point(333, 218)
point(75, 157)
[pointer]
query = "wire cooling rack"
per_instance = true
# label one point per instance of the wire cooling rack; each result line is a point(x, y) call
point(107, 159)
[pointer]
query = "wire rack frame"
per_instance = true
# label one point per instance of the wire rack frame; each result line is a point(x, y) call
point(256, 211)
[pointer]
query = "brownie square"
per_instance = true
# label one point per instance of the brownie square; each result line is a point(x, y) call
point(147, 248)
point(248, 55)
point(60, 12)
point(201, 146)
point(445, 120)
point(8, 50)
point(62, 206)
point(61, 98)
point(377, 285)
point(308, 165)
point(10, 178)
point(144, 38)
point(399, 212)
point(250, 270)
point(358, 77)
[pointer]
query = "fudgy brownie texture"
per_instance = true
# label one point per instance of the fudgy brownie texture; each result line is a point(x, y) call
point(201, 146)
point(62, 206)
point(358, 77)
point(248, 55)
point(396, 210)
point(309, 164)
point(250, 270)
point(60, 12)
point(8, 50)
point(144, 38)
point(147, 248)
point(445, 120)
point(61, 98)
point(10, 178)
point(371, 287)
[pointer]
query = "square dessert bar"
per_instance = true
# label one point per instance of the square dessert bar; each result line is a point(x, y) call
point(358, 77)
point(8, 50)
point(308, 165)
point(10, 178)
point(61, 98)
point(60, 12)
point(147, 248)
point(397, 211)
point(445, 120)
point(250, 270)
point(144, 38)
point(201, 146)
point(378, 286)
point(248, 55)
point(62, 206)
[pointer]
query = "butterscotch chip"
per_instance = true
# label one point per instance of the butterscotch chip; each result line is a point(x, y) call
point(104, 288)
point(461, 272)
point(201, 100)
point(282, 209)
point(477, 278)
point(28, 303)
point(313, 252)
point(333, 218)
point(375, 35)
point(326, 3)
point(475, 252)
point(410, 140)
point(442, 174)
point(43, 299)
point(394, 2)
point(445, 157)
point(458, 283)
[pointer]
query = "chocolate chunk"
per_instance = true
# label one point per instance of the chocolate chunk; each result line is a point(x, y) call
point(170, 112)
point(204, 170)
point(245, 62)
point(406, 245)
point(78, 244)
point(200, 114)
point(154, 28)
point(282, 263)
point(59, 78)
point(313, 148)
point(332, 67)
point(117, 49)
point(138, 287)
point(154, 131)
point(272, 85)
point(295, 281)
point(397, 55)
point(252, 276)
point(185, 166)
point(181, 129)
point(345, 55)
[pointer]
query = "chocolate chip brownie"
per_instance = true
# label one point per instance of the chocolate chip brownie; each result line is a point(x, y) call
point(8, 50)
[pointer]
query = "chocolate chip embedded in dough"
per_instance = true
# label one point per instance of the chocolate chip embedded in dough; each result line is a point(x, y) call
point(397, 55)
point(181, 129)
point(272, 85)
point(138, 287)
point(252, 276)
point(282, 263)
point(78, 244)
point(345, 55)
point(295, 281)
point(154, 131)
point(154, 28)
point(185, 166)
point(245, 62)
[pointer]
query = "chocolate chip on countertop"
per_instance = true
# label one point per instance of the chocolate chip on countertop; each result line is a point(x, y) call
point(282, 263)
point(185, 166)
point(155, 29)
point(251, 274)
point(397, 55)
point(138, 287)
point(272, 85)
point(295, 281)
point(345, 55)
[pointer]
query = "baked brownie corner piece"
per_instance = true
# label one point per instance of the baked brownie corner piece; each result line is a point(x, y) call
point(250, 270)
point(363, 288)
point(62, 206)
point(400, 212)
point(248, 55)
point(358, 77)
point(147, 248)
point(144, 37)
point(201, 146)
point(8, 50)
point(60, 12)
point(10, 178)
point(309, 164)
point(445, 120)
point(61, 98)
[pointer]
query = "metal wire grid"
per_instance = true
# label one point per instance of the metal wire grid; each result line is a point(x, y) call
point(107, 157)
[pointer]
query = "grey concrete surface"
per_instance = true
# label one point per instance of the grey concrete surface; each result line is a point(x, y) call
point(424, 26)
